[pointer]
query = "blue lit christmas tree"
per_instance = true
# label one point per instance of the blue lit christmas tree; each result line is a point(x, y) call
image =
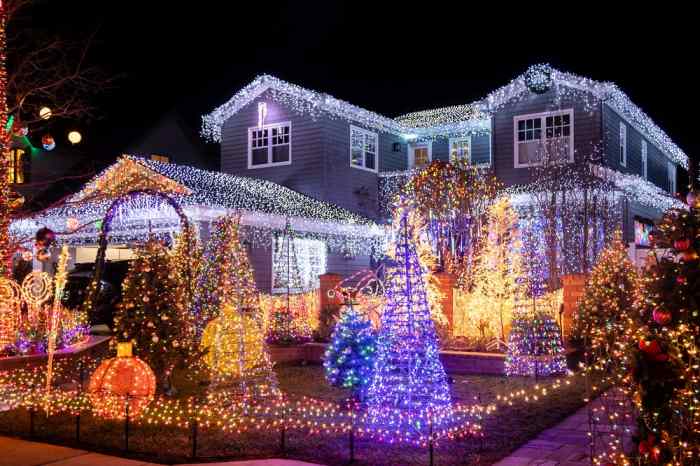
point(408, 398)
point(349, 358)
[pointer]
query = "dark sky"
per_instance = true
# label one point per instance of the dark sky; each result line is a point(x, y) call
point(388, 57)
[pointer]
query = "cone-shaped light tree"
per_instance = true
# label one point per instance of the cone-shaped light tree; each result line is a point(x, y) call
point(408, 395)
point(226, 276)
point(606, 318)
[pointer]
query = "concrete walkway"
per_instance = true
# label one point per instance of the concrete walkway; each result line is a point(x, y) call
point(566, 444)
point(14, 452)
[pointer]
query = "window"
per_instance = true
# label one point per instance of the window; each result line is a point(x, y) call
point(363, 149)
point(420, 154)
point(549, 134)
point(160, 158)
point(623, 144)
point(671, 177)
point(15, 166)
point(645, 155)
point(310, 263)
point(642, 230)
point(461, 149)
point(270, 145)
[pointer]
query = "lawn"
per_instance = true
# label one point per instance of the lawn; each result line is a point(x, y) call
point(505, 430)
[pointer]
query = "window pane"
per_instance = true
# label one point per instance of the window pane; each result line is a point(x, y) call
point(356, 156)
point(259, 156)
point(371, 142)
point(566, 118)
point(356, 139)
point(521, 125)
point(538, 123)
point(369, 161)
point(280, 154)
point(538, 134)
point(529, 124)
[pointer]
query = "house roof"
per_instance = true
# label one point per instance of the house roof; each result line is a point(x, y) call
point(203, 195)
point(544, 75)
point(302, 99)
point(201, 187)
point(453, 120)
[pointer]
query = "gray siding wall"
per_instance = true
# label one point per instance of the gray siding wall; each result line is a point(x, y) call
point(304, 174)
point(349, 187)
point(261, 262)
point(587, 130)
point(481, 148)
point(344, 266)
point(657, 169)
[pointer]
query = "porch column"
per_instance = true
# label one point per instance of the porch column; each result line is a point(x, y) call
point(573, 292)
point(446, 285)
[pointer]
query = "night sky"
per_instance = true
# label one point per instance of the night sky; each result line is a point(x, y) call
point(389, 58)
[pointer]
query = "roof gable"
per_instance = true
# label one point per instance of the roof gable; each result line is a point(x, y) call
point(298, 98)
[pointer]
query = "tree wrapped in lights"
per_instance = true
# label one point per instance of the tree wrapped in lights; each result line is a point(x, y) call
point(186, 265)
point(665, 355)
point(226, 276)
point(606, 317)
point(289, 320)
point(408, 392)
point(350, 356)
point(498, 276)
point(234, 344)
point(454, 198)
point(148, 315)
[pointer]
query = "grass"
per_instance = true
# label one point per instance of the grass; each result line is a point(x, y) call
point(505, 430)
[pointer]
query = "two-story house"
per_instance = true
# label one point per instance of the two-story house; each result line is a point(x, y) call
point(337, 152)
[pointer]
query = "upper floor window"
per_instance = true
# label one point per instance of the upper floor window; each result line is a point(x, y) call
point(15, 166)
point(671, 177)
point(645, 158)
point(544, 135)
point(363, 149)
point(270, 145)
point(420, 154)
point(160, 158)
point(461, 149)
point(623, 144)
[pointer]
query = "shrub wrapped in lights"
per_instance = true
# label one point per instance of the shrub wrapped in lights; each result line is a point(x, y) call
point(534, 344)
point(350, 356)
point(408, 393)
point(121, 380)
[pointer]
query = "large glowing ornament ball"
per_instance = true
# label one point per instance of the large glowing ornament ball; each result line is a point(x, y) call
point(538, 78)
point(119, 379)
point(232, 341)
point(48, 142)
point(45, 113)
point(74, 137)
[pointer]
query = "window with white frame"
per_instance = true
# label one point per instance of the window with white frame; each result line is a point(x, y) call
point(270, 145)
point(363, 149)
point(623, 144)
point(420, 154)
point(671, 177)
point(461, 149)
point(311, 261)
point(645, 158)
point(549, 134)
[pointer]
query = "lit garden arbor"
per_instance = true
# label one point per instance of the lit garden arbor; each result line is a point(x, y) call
point(106, 225)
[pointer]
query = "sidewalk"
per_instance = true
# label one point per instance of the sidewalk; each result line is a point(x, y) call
point(566, 444)
point(23, 453)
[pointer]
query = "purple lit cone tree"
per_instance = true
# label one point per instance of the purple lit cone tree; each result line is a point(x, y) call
point(408, 395)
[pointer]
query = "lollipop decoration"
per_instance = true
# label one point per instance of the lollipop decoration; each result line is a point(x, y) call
point(36, 290)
